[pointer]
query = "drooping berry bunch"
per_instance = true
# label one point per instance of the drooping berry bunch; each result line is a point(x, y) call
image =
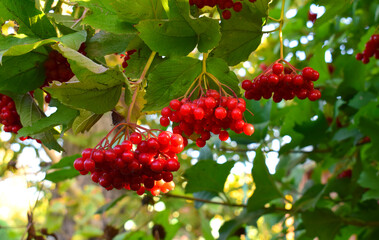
point(210, 113)
point(58, 69)
point(224, 5)
point(371, 49)
point(283, 83)
point(126, 57)
point(8, 114)
point(140, 161)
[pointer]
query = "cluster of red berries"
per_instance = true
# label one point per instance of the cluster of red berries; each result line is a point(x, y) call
point(208, 114)
point(8, 114)
point(224, 5)
point(371, 49)
point(283, 83)
point(57, 68)
point(126, 57)
point(312, 16)
point(136, 164)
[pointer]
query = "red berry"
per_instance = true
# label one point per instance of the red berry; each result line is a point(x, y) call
point(135, 138)
point(226, 14)
point(248, 129)
point(223, 136)
point(220, 113)
point(175, 104)
point(277, 68)
point(314, 95)
point(237, 6)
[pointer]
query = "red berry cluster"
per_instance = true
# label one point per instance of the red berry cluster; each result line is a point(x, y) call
point(284, 83)
point(208, 114)
point(8, 114)
point(371, 49)
point(136, 164)
point(312, 16)
point(57, 68)
point(224, 5)
point(126, 57)
point(348, 173)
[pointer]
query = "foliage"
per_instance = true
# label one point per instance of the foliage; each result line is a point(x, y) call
point(309, 170)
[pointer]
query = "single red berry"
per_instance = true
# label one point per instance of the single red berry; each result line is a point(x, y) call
point(172, 165)
point(89, 165)
point(200, 142)
point(164, 138)
point(110, 155)
point(220, 113)
point(223, 136)
point(198, 113)
point(277, 68)
point(314, 95)
point(167, 176)
point(176, 140)
point(226, 14)
point(297, 80)
point(248, 129)
point(164, 121)
point(247, 84)
point(175, 104)
point(166, 112)
point(237, 6)
point(79, 164)
point(135, 138)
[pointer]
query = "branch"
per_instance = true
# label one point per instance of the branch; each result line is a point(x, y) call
point(203, 200)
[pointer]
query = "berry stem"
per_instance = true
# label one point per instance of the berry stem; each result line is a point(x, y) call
point(281, 21)
point(135, 93)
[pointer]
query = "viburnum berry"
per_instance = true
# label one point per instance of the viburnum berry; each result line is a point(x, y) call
point(224, 5)
point(371, 50)
point(312, 16)
point(281, 82)
point(210, 113)
point(141, 162)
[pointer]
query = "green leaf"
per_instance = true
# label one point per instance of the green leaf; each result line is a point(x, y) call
point(321, 223)
point(317, 129)
point(207, 175)
point(102, 16)
point(85, 121)
point(91, 74)
point(109, 205)
point(220, 69)
point(242, 33)
point(29, 114)
point(369, 179)
point(63, 116)
point(80, 96)
point(103, 43)
point(32, 21)
point(168, 38)
point(61, 175)
point(66, 162)
point(370, 127)
point(265, 190)
point(179, 35)
point(135, 11)
point(170, 80)
point(21, 78)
